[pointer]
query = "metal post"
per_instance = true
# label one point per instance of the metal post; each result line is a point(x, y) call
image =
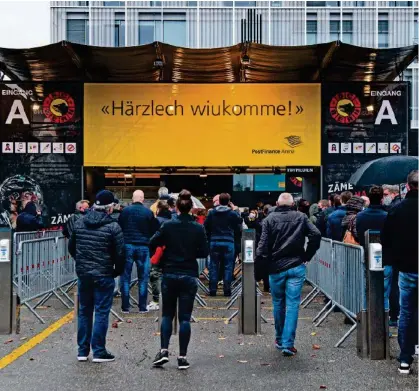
point(249, 310)
point(377, 337)
point(6, 285)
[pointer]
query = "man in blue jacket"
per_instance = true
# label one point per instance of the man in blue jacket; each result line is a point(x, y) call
point(334, 222)
point(222, 225)
point(30, 219)
point(138, 226)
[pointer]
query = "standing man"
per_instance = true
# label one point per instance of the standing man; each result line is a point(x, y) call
point(333, 204)
point(30, 219)
point(391, 196)
point(223, 226)
point(334, 221)
point(81, 209)
point(97, 245)
point(138, 225)
point(282, 246)
point(400, 249)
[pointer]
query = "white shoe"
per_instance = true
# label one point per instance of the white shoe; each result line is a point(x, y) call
point(81, 358)
point(153, 306)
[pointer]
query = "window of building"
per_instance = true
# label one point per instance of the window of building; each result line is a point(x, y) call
point(78, 31)
point(83, 3)
point(114, 3)
point(400, 3)
point(174, 32)
point(311, 32)
point(276, 3)
point(359, 4)
point(415, 31)
point(192, 3)
point(119, 33)
point(245, 3)
point(383, 33)
point(334, 30)
point(333, 3)
point(347, 31)
point(227, 3)
point(155, 3)
point(316, 4)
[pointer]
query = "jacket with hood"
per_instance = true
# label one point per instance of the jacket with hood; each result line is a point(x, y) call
point(334, 228)
point(222, 224)
point(97, 245)
point(321, 222)
point(164, 216)
point(138, 224)
point(371, 218)
point(153, 207)
point(399, 236)
point(68, 228)
point(282, 243)
point(29, 220)
point(185, 241)
point(314, 213)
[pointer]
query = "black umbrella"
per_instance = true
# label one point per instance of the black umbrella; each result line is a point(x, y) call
point(387, 170)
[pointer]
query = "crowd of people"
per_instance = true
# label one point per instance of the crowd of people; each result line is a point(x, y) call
point(165, 241)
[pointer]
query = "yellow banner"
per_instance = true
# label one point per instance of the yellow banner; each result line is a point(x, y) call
point(202, 125)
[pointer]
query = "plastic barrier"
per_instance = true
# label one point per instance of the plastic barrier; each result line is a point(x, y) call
point(338, 271)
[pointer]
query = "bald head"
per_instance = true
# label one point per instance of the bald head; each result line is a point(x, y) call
point(138, 196)
point(285, 199)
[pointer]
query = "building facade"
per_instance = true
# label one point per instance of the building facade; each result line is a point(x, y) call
point(209, 24)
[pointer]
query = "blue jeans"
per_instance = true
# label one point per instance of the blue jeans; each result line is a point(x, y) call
point(220, 251)
point(388, 276)
point(408, 321)
point(176, 287)
point(95, 294)
point(286, 294)
point(141, 256)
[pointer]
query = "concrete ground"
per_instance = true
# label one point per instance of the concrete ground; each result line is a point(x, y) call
point(220, 358)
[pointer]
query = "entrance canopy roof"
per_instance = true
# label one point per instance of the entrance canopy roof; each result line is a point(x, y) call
point(247, 62)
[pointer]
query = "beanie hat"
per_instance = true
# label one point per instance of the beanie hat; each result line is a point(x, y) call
point(105, 198)
point(355, 204)
point(216, 200)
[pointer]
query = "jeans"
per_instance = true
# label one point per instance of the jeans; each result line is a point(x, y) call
point(219, 252)
point(95, 294)
point(388, 276)
point(286, 294)
point(141, 256)
point(408, 321)
point(184, 288)
point(155, 281)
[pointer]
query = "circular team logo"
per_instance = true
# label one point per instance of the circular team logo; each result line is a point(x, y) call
point(59, 107)
point(345, 107)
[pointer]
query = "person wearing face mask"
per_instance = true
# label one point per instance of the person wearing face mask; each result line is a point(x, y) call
point(391, 196)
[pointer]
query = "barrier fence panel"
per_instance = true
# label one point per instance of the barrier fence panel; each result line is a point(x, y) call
point(42, 268)
point(338, 272)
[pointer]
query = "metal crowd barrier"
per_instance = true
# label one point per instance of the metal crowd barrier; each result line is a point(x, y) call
point(338, 272)
point(43, 268)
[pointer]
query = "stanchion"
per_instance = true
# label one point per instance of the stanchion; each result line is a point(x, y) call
point(6, 290)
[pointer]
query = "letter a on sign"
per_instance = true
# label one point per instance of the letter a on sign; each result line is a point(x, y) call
point(386, 112)
point(17, 111)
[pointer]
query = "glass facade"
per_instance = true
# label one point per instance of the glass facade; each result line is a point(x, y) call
point(383, 34)
point(311, 32)
point(78, 31)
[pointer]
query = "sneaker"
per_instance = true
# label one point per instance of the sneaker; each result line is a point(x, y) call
point(182, 363)
point(125, 311)
point(221, 282)
point(82, 358)
point(289, 352)
point(278, 345)
point(161, 358)
point(404, 369)
point(153, 306)
point(144, 311)
point(106, 357)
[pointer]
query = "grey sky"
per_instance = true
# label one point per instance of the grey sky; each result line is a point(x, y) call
point(24, 24)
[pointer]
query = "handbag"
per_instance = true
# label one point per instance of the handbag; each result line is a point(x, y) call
point(349, 237)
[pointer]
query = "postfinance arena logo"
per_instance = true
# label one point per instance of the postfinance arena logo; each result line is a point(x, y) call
point(59, 107)
point(345, 107)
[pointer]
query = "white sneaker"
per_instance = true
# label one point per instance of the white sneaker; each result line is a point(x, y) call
point(153, 306)
point(404, 369)
point(81, 358)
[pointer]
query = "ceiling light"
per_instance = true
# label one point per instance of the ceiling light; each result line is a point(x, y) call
point(36, 107)
point(203, 174)
point(127, 175)
point(370, 108)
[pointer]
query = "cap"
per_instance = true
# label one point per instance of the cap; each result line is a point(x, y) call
point(104, 198)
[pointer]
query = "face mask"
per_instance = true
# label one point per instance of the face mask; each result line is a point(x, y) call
point(387, 200)
point(252, 216)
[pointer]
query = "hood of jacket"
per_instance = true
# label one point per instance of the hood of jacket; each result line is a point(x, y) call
point(97, 218)
point(314, 209)
point(222, 209)
point(30, 208)
point(165, 214)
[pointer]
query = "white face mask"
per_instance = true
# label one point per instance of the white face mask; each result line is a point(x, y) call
point(252, 216)
point(387, 200)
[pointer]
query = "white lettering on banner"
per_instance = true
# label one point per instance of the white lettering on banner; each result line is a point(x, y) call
point(386, 93)
point(339, 187)
point(17, 111)
point(16, 91)
point(386, 112)
point(60, 219)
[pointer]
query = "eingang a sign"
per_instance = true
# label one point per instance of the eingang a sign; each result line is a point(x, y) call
point(202, 124)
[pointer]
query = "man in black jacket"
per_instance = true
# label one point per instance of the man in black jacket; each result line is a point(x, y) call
point(81, 209)
point(399, 239)
point(30, 219)
point(97, 245)
point(223, 228)
point(138, 225)
point(282, 245)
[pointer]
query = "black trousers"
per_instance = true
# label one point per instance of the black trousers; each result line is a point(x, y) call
point(394, 296)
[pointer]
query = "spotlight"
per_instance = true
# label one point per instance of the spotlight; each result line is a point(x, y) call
point(127, 175)
point(245, 60)
point(370, 108)
point(203, 174)
point(36, 107)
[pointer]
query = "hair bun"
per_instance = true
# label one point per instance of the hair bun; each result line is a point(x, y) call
point(185, 195)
